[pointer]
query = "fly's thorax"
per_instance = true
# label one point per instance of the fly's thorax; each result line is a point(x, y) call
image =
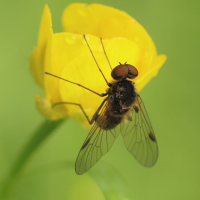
point(122, 96)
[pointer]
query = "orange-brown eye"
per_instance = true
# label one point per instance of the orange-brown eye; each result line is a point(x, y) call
point(119, 71)
point(132, 71)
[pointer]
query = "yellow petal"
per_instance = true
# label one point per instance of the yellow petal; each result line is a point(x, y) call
point(67, 55)
point(108, 22)
point(158, 62)
point(65, 48)
point(37, 58)
point(85, 18)
point(45, 108)
point(83, 70)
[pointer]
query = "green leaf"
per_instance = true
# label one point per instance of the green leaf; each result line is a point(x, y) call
point(111, 183)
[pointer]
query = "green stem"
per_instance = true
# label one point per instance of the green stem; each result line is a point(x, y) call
point(41, 134)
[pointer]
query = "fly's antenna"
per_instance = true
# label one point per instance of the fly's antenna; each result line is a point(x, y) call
point(105, 53)
point(96, 61)
point(129, 58)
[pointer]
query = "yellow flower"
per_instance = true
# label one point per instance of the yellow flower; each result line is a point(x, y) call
point(67, 55)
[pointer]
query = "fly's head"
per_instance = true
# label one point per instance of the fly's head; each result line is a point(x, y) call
point(123, 71)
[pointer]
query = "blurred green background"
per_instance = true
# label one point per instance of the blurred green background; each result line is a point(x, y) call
point(172, 100)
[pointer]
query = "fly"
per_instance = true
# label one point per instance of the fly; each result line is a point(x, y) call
point(121, 111)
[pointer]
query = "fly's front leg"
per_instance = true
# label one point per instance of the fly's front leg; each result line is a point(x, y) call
point(95, 116)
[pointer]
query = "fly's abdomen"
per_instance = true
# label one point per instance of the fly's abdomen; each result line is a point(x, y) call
point(113, 121)
point(108, 120)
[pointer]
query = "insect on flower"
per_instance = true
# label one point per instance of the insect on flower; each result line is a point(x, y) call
point(122, 111)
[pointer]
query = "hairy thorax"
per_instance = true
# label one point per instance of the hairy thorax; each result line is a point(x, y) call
point(121, 97)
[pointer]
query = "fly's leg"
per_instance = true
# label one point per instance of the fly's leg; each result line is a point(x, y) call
point(95, 116)
point(101, 95)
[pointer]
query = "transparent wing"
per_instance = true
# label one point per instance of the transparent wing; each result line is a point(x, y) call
point(138, 135)
point(97, 143)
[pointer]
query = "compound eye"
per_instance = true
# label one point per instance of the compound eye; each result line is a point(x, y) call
point(132, 71)
point(119, 71)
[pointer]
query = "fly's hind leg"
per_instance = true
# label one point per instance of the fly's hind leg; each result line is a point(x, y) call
point(95, 116)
